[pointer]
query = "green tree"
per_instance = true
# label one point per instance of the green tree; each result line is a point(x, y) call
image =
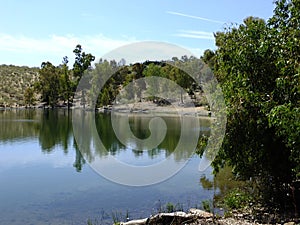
point(80, 67)
point(66, 84)
point(82, 62)
point(153, 70)
point(29, 96)
point(257, 64)
point(140, 84)
point(180, 76)
point(49, 83)
point(209, 58)
point(104, 97)
point(103, 89)
point(183, 80)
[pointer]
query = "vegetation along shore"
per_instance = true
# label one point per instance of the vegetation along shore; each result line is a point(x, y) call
point(257, 65)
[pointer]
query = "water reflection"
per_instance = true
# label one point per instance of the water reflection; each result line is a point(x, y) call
point(103, 139)
point(39, 157)
point(18, 124)
point(54, 128)
point(223, 182)
point(50, 127)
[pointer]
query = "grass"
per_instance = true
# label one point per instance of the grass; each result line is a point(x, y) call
point(207, 206)
point(169, 207)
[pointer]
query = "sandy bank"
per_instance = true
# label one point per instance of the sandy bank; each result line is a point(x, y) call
point(152, 108)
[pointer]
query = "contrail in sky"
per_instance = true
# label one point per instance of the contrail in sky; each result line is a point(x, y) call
point(195, 17)
point(195, 34)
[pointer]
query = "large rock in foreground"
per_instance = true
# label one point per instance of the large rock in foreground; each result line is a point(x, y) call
point(193, 217)
point(173, 218)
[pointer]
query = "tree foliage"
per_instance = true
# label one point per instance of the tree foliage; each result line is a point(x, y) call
point(29, 96)
point(82, 61)
point(257, 64)
point(48, 83)
point(112, 77)
point(58, 83)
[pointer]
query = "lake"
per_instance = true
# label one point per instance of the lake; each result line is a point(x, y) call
point(50, 176)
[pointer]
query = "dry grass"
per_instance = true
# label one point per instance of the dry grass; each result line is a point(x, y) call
point(13, 82)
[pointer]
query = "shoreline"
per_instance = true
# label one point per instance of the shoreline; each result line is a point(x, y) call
point(151, 108)
point(196, 217)
point(140, 108)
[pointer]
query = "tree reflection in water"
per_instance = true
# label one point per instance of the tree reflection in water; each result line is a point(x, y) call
point(53, 127)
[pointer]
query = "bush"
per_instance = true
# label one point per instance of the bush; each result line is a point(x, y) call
point(237, 199)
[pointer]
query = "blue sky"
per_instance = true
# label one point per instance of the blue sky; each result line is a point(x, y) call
point(34, 31)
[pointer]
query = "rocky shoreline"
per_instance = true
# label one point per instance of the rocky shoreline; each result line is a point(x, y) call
point(194, 217)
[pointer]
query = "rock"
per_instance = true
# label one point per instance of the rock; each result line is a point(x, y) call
point(193, 217)
point(164, 218)
point(135, 222)
point(290, 223)
point(200, 213)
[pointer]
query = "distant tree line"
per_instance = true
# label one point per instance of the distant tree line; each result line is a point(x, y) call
point(58, 83)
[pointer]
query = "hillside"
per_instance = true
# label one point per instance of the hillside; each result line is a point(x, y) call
point(13, 82)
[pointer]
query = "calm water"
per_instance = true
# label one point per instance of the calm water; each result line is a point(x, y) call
point(46, 179)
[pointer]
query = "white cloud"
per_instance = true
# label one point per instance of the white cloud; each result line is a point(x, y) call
point(197, 52)
point(195, 17)
point(148, 50)
point(57, 44)
point(53, 47)
point(24, 50)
